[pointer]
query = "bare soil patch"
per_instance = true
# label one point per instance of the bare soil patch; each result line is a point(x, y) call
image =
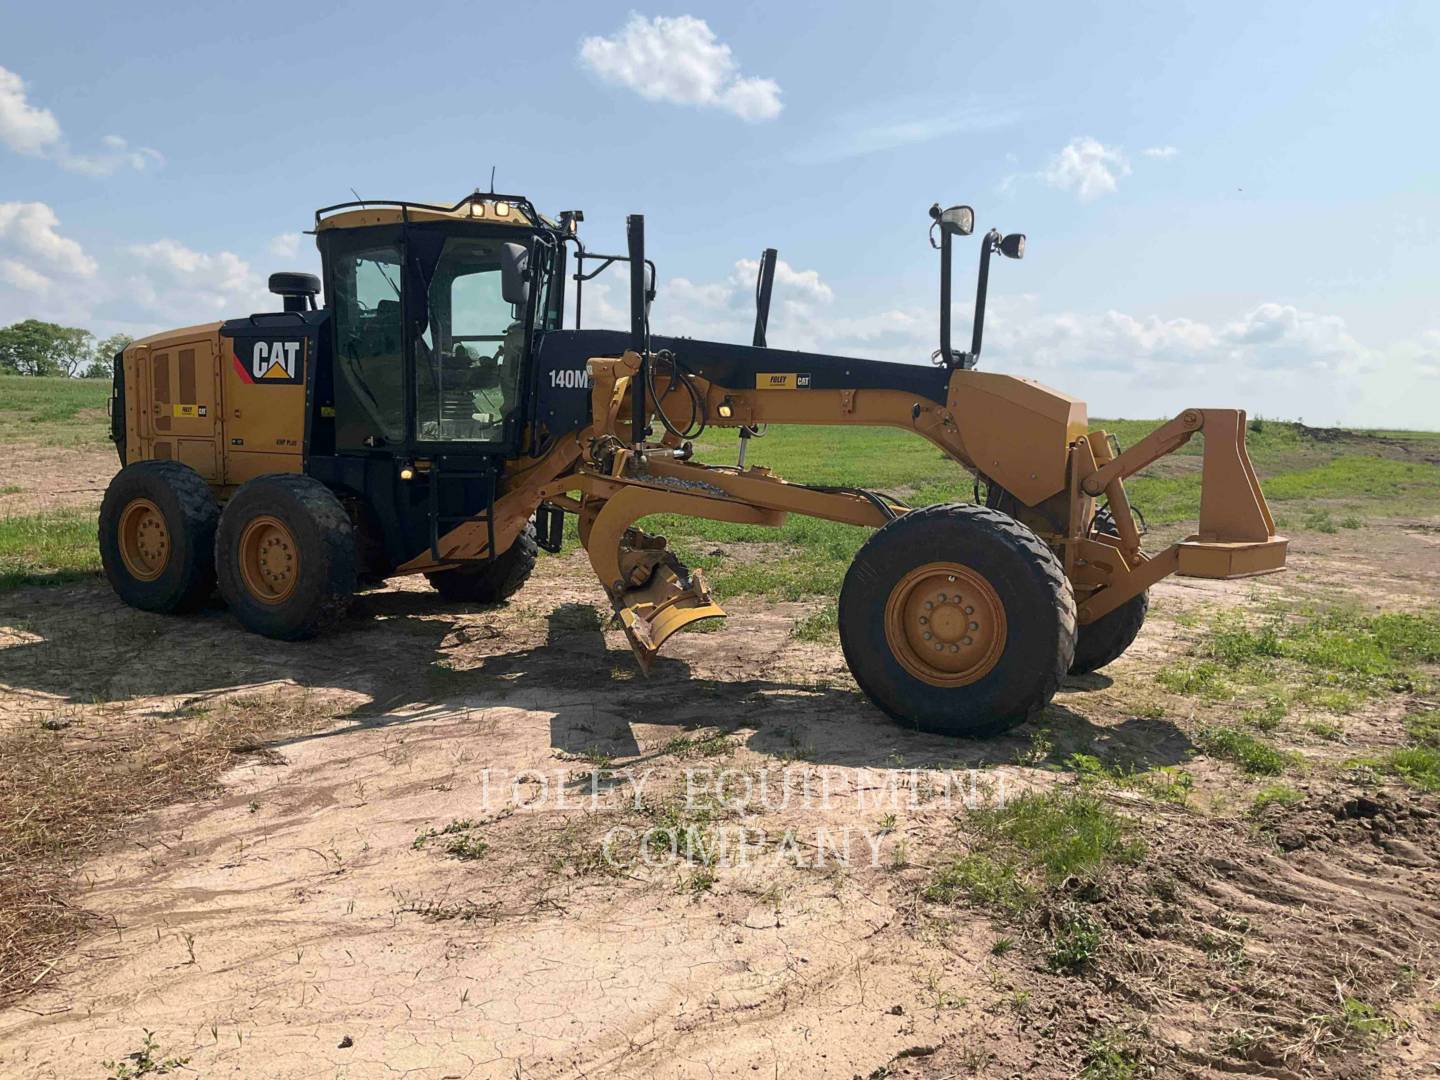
point(412, 879)
point(38, 478)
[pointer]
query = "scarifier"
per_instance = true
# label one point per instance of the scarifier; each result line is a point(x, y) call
point(435, 417)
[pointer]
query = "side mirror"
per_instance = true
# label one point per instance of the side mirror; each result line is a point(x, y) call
point(955, 220)
point(515, 274)
point(1013, 246)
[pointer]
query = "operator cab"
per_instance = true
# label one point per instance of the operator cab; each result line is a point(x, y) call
point(429, 345)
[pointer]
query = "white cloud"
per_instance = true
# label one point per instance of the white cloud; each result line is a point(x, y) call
point(23, 277)
point(115, 154)
point(34, 131)
point(1087, 167)
point(28, 238)
point(1270, 337)
point(1163, 153)
point(679, 60)
point(1426, 355)
point(175, 279)
point(725, 310)
point(284, 246)
point(23, 127)
point(1271, 358)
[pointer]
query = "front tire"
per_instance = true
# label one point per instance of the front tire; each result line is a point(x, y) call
point(957, 619)
point(157, 536)
point(286, 556)
point(494, 581)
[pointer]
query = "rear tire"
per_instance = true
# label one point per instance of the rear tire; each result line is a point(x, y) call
point(157, 536)
point(286, 556)
point(491, 582)
point(1105, 640)
point(985, 590)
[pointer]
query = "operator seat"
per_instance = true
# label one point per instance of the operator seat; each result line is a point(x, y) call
point(511, 352)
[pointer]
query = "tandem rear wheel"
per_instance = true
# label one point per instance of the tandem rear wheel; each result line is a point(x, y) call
point(157, 536)
point(286, 556)
point(957, 619)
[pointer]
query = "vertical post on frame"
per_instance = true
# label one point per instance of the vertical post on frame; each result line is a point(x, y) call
point(764, 285)
point(945, 353)
point(639, 332)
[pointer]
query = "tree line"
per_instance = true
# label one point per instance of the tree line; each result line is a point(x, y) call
point(33, 347)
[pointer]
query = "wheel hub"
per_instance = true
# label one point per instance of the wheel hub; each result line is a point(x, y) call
point(269, 559)
point(945, 624)
point(144, 540)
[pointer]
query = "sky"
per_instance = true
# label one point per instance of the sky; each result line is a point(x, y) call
point(1226, 204)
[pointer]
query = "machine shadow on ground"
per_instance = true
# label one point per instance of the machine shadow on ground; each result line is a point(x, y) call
point(413, 657)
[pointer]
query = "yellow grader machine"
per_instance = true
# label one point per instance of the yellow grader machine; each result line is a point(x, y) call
point(435, 417)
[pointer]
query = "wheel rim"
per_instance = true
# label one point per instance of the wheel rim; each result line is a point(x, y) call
point(144, 540)
point(269, 559)
point(945, 624)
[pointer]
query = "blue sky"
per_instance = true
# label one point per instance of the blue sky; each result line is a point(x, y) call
point(1225, 203)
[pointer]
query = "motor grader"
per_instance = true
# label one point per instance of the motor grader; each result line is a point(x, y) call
point(435, 417)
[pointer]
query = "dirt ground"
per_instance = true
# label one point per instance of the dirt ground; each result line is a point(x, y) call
point(38, 478)
point(314, 917)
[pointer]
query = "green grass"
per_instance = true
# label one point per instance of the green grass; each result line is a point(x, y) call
point(457, 838)
point(1275, 795)
point(991, 881)
point(50, 548)
point(1111, 1056)
point(1033, 844)
point(1166, 783)
point(1424, 728)
point(689, 747)
point(53, 412)
point(819, 626)
point(1254, 756)
point(1331, 660)
point(1418, 766)
point(1361, 1021)
point(1075, 941)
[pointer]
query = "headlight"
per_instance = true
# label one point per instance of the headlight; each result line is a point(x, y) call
point(959, 220)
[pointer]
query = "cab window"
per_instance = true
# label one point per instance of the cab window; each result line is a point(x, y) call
point(468, 357)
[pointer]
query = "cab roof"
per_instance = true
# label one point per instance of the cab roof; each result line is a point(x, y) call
point(488, 207)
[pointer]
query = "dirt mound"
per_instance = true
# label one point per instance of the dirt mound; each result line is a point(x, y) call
point(1288, 959)
point(1399, 826)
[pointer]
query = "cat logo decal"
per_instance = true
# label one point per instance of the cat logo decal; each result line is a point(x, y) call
point(271, 362)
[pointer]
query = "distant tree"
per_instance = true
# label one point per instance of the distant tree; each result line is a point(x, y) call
point(102, 364)
point(33, 347)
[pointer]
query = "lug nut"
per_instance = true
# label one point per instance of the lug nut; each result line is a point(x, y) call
point(967, 640)
point(928, 635)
